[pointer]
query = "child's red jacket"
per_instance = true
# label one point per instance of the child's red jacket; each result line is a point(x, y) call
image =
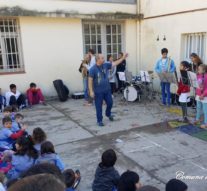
point(182, 88)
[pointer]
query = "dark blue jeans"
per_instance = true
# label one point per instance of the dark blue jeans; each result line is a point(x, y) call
point(165, 90)
point(99, 98)
point(85, 88)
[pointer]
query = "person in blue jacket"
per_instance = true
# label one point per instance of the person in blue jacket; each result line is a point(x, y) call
point(23, 159)
point(48, 155)
point(165, 65)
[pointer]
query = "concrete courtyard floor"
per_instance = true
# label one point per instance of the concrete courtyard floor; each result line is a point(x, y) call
point(140, 135)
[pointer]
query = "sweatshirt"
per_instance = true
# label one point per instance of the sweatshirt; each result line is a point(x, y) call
point(7, 137)
point(106, 179)
point(20, 163)
point(202, 83)
point(52, 158)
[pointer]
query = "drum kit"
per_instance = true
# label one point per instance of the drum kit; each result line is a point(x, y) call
point(139, 87)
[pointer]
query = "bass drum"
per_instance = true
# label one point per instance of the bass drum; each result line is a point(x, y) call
point(132, 93)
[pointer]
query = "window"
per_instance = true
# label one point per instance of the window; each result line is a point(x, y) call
point(113, 40)
point(103, 38)
point(194, 42)
point(10, 51)
point(92, 37)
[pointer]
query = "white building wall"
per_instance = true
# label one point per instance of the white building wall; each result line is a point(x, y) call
point(159, 7)
point(131, 45)
point(69, 6)
point(52, 49)
point(172, 27)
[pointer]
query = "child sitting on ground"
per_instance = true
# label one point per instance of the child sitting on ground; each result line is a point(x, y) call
point(106, 176)
point(2, 177)
point(24, 157)
point(47, 154)
point(34, 95)
point(5, 161)
point(15, 98)
point(10, 111)
point(71, 179)
point(184, 90)
point(7, 137)
point(7, 111)
point(17, 123)
point(176, 185)
point(38, 137)
point(129, 181)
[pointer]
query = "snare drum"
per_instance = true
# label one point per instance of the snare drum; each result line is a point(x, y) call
point(132, 93)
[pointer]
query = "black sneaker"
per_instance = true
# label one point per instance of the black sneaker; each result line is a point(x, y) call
point(100, 124)
point(111, 118)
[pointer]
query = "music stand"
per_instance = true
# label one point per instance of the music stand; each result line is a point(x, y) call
point(193, 79)
point(167, 77)
point(128, 76)
point(170, 78)
point(124, 78)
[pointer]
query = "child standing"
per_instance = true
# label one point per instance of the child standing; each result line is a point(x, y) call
point(38, 137)
point(201, 95)
point(106, 177)
point(48, 155)
point(112, 75)
point(83, 69)
point(7, 137)
point(163, 66)
point(24, 157)
point(184, 90)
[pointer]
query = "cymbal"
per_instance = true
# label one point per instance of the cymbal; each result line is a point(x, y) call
point(150, 72)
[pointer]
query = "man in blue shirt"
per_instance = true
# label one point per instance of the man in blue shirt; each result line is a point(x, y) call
point(165, 65)
point(99, 86)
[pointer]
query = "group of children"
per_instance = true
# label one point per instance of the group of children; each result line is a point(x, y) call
point(22, 154)
point(166, 65)
point(107, 178)
point(20, 151)
point(13, 97)
point(200, 94)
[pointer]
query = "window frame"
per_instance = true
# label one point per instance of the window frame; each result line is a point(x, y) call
point(104, 34)
point(185, 47)
point(16, 35)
